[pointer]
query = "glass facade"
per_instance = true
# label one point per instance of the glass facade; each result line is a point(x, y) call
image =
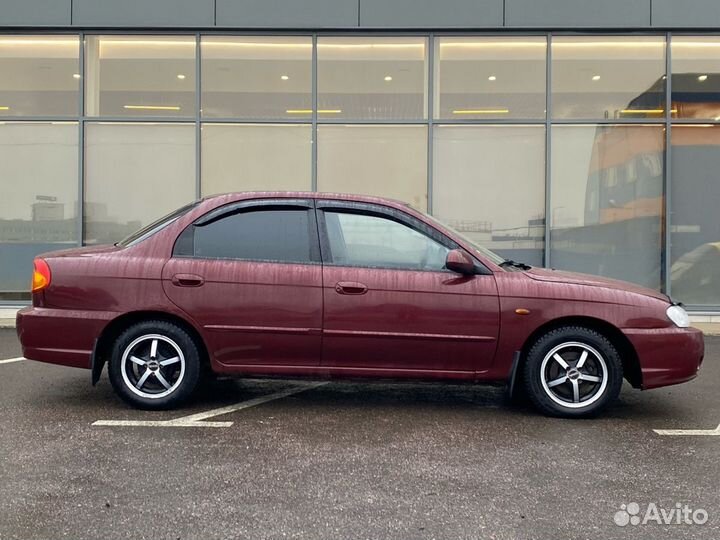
point(576, 152)
point(256, 77)
point(372, 78)
point(490, 78)
point(134, 174)
point(482, 189)
point(608, 77)
point(611, 223)
point(372, 160)
point(140, 76)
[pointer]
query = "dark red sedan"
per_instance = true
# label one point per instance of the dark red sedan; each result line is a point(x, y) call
point(327, 285)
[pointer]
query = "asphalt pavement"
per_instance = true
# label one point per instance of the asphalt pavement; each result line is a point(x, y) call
point(350, 460)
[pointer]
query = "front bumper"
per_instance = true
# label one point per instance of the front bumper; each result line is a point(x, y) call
point(60, 336)
point(667, 355)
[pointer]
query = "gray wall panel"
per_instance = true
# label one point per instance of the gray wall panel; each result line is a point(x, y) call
point(152, 13)
point(686, 13)
point(35, 12)
point(287, 13)
point(578, 13)
point(431, 13)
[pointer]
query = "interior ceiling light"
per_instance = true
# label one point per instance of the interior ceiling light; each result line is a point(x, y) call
point(181, 76)
point(645, 111)
point(153, 107)
point(702, 78)
point(388, 78)
point(596, 77)
point(309, 111)
point(492, 78)
point(284, 77)
point(481, 111)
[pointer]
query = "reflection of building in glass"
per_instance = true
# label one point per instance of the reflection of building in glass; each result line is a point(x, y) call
point(41, 230)
point(47, 209)
point(695, 276)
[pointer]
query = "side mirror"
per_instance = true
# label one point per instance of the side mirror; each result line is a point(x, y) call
point(459, 261)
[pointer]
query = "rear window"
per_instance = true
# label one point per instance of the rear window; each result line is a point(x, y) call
point(278, 235)
point(155, 226)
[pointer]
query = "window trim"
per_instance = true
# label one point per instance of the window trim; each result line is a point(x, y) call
point(384, 212)
point(252, 205)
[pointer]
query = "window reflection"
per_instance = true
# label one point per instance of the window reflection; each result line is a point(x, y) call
point(140, 76)
point(387, 161)
point(694, 223)
point(256, 77)
point(482, 189)
point(607, 201)
point(490, 78)
point(595, 77)
point(371, 78)
point(696, 77)
point(38, 206)
point(135, 173)
point(40, 75)
point(259, 157)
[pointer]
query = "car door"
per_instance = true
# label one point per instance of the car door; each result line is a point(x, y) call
point(249, 273)
point(389, 303)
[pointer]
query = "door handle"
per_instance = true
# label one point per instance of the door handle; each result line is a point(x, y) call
point(187, 280)
point(350, 287)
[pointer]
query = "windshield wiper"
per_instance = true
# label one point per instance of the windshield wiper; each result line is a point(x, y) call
point(515, 264)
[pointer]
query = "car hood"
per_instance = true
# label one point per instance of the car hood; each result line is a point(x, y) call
point(575, 278)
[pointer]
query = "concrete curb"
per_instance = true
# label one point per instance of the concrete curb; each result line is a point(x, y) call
point(7, 323)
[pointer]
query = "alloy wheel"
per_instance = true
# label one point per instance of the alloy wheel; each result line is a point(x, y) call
point(152, 366)
point(574, 374)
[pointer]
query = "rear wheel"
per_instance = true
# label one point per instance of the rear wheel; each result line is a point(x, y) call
point(573, 372)
point(154, 365)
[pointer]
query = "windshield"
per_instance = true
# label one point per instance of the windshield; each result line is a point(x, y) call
point(485, 252)
point(155, 226)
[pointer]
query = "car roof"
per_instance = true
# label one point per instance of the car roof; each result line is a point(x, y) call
point(350, 197)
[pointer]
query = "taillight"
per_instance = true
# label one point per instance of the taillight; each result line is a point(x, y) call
point(41, 275)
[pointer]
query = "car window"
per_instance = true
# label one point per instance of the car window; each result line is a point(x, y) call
point(147, 231)
point(254, 234)
point(369, 240)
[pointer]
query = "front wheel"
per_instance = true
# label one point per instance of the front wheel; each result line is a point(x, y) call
point(573, 372)
point(154, 365)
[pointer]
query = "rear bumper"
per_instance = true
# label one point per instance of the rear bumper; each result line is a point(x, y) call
point(60, 336)
point(667, 355)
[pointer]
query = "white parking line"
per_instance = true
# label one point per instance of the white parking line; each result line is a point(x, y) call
point(711, 432)
point(196, 420)
point(10, 360)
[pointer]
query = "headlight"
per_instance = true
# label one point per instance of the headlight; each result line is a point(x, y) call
point(679, 316)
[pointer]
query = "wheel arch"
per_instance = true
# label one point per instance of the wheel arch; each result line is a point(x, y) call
point(116, 326)
point(628, 354)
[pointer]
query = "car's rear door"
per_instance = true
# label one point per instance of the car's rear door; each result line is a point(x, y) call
point(390, 306)
point(249, 273)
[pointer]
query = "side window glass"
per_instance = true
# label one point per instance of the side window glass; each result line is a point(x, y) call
point(367, 240)
point(282, 235)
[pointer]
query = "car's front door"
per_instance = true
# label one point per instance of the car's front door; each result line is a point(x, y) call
point(390, 306)
point(249, 273)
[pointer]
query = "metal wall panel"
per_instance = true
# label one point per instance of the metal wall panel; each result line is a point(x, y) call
point(35, 12)
point(686, 13)
point(578, 13)
point(431, 13)
point(143, 13)
point(287, 13)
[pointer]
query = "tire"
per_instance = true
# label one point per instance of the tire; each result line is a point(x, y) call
point(154, 365)
point(558, 387)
